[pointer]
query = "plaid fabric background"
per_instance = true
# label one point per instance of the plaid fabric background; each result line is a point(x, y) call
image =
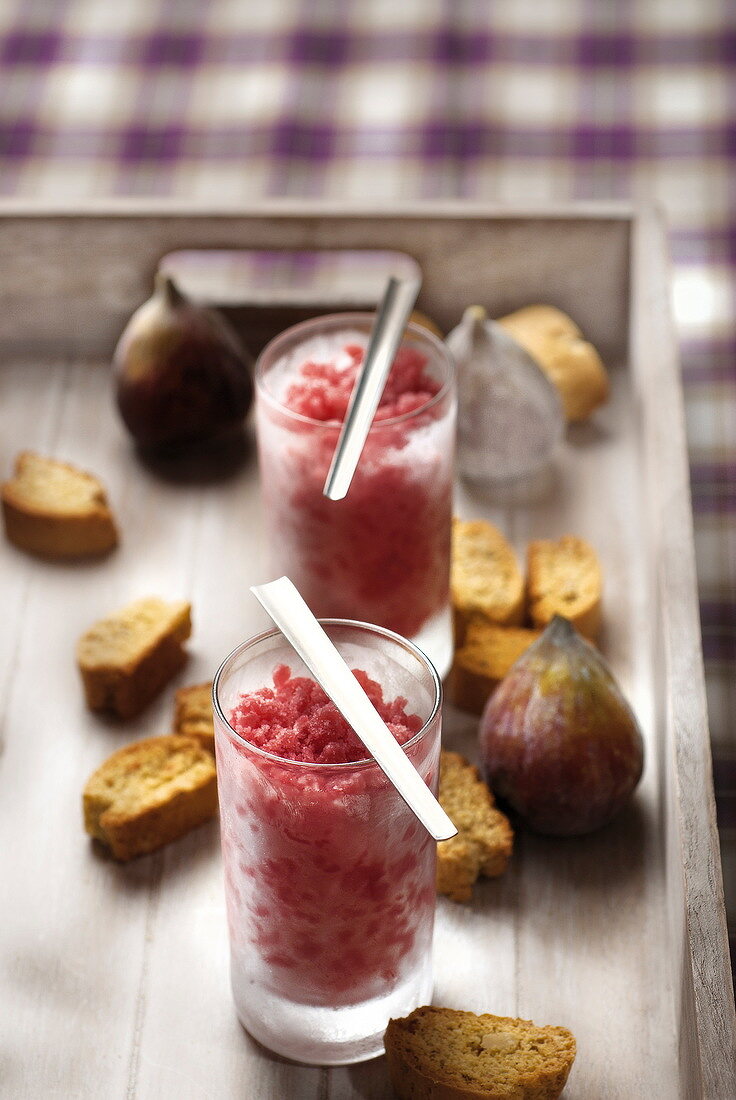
point(383, 99)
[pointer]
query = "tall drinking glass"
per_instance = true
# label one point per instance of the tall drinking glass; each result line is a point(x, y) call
point(329, 877)
point(382, 554)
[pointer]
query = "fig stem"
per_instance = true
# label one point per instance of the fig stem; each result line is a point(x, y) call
point(169, 291)
point(476, 316)
point(560, 629)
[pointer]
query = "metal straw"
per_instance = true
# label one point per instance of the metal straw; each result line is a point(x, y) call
point(385, 338)
point(288, 610)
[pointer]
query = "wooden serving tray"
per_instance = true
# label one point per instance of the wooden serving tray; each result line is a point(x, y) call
point(115, 978)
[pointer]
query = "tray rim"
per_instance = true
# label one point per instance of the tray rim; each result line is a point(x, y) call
point(705, 924)
point(176, 207)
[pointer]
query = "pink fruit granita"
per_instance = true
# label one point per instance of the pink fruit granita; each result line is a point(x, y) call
point(330, 878)
point(324, 389)
point(297, 721)
point(382, 554)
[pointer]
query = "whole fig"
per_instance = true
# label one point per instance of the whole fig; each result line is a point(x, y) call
point(181, 374)
point(510, 419)
point(558, 740)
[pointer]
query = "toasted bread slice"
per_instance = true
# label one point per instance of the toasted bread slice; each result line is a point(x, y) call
point(485, 839)
point(445, 1054)
point(572, 364)
point(127, 658)
point(483, 660)
point(193, 714)
point(55, 510)
point(485, 578)
point(564, 578)
point(150, 793)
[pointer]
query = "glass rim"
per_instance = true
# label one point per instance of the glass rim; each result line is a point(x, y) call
point(370, 761)
point(439, 346)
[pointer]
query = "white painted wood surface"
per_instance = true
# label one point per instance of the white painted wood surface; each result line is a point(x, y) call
point(113, 980)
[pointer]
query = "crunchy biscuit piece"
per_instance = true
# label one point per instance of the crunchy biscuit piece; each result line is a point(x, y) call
point(193, 714)
point(127, 658)
point(572, 364)
point(485, 839)
point(56, 510)
point(564, 578)
point(150, 793)
point(485, 578)
point(421, 319)
point(483, 660)
point(444, 1054)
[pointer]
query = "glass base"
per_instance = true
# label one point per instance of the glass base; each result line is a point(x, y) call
point(435, 640)
point(321, 1036)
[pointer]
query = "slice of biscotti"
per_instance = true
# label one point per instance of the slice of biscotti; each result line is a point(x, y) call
point(483, 660)
point(193, 714)
point(564, 578)
point(150, 793)
point(485, 578)
point(127, 658)
point(572, 363)
point(55, 510)
point(445, 1054)
point(484, 839)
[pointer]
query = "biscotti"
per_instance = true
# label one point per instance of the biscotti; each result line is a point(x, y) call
point(421, 319)
point(148, 794)
point(485, 578)
point(484, 840)
point(444, 1054)
point(193, 714)
point(127, 658)
point(55, 510)
point(486, 655)
point(564, 578)
point(572, 364)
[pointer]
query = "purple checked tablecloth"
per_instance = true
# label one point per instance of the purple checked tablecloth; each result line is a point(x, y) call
point(518, 100)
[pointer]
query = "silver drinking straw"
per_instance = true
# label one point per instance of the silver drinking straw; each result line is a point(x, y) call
point(383, 343)
point(296, 622)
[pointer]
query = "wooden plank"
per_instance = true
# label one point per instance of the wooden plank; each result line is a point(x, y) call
point(74, 938)
point(34, 422)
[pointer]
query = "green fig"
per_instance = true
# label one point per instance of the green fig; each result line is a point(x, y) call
point(181, 373)
point(510, 418)
point(559, 742)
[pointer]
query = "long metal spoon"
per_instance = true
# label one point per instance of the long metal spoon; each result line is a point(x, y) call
point(383, 343)
point(296, 622)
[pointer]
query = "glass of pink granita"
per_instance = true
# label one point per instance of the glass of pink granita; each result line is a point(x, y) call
point(329, 877)
point(382, 554)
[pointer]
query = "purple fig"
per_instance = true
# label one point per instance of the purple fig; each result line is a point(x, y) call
point(181, 374)
point(559, 742)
